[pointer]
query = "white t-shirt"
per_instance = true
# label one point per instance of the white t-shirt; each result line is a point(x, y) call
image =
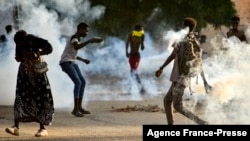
point(69, 53)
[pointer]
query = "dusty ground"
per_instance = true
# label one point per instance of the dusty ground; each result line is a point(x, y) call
point(104, 124)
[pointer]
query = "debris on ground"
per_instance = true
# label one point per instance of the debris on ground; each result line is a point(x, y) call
point(141, 108)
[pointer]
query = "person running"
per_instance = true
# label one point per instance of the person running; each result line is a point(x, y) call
point(135, 42)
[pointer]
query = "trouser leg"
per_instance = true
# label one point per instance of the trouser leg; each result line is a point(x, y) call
point(178, 91)
point(167, 101)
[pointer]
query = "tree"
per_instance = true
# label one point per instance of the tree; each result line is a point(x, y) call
point(155, 15)
point(121, 15)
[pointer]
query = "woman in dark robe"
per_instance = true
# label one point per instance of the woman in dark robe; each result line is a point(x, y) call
point(33, 101)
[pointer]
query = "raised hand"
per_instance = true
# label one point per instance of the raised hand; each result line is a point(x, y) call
point(96, 40)
point(208, 88)
point(158, 73)
point(86, 61)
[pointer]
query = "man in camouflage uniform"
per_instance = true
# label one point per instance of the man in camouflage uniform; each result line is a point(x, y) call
point(187, 64)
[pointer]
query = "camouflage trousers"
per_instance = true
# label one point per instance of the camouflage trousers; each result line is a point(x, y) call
point(173, 98)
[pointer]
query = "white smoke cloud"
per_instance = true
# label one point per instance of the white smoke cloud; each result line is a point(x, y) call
point(227, 71)
point(173, 36)
point(6, 4)
point(247, 33)
point(74, 8)
point(37, 19)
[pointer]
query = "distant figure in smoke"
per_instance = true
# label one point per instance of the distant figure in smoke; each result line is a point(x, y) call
point(70, 67)
point(33, 101)
point(9, 29)
point(4, 39)
point(187, 64)
point(135, 41)
point(234, 30)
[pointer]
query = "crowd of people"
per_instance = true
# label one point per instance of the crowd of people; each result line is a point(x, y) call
point(34, 98)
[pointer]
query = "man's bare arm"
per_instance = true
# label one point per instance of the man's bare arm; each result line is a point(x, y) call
point(142, 43)
point(83, 60)
point(127, 45)
point(168, 60)
point(78, 45)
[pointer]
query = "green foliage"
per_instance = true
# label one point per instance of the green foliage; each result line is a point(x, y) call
point(158, 15)
point(121, 15)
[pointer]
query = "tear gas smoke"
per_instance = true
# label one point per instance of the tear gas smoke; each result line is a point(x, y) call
point(108, 74)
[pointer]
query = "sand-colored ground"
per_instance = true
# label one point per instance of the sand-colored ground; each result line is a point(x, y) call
point(104, 124)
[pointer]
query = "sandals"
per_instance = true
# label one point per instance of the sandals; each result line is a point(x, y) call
point(41, 133)
point(13, 130)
